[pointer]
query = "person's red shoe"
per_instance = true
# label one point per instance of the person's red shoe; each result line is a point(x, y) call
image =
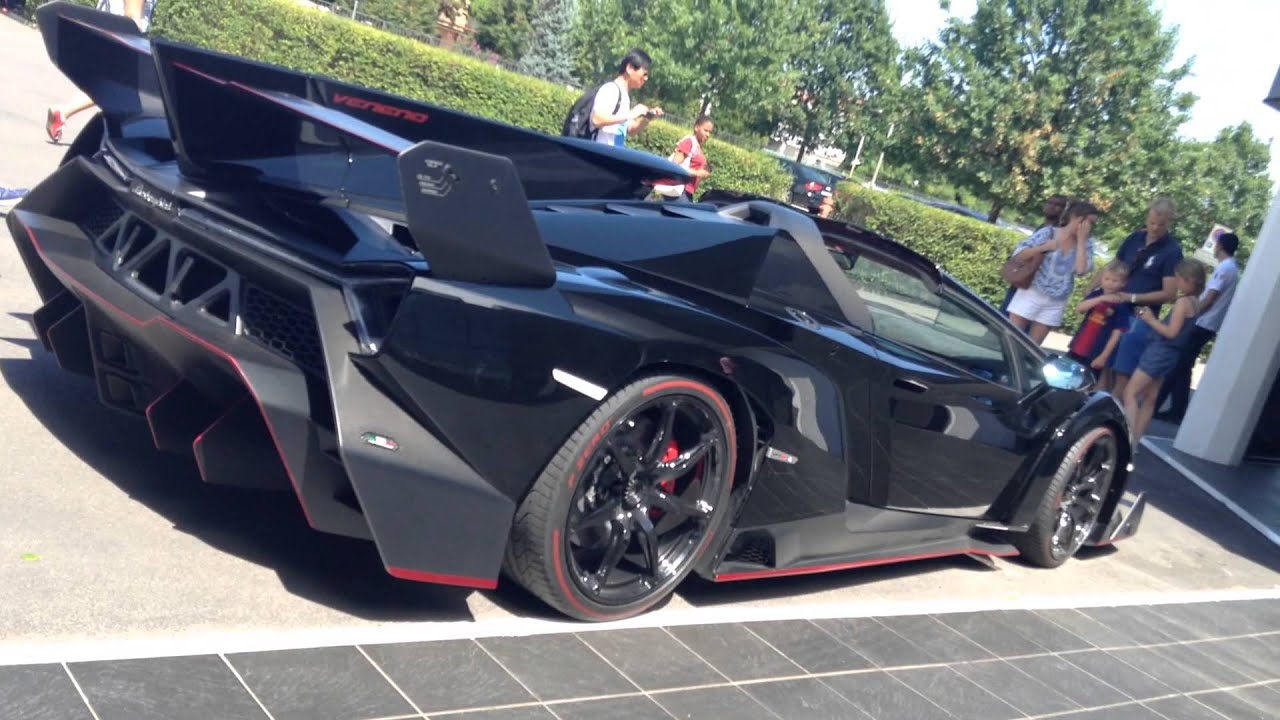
point(53, 125)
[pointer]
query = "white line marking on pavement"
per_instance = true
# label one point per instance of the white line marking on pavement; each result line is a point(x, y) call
point(1208, 487)
point(230, 642)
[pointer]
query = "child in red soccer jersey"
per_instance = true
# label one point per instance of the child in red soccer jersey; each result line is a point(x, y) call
point(1104, 323)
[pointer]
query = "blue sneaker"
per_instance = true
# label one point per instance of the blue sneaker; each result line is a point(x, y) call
point(8, 193)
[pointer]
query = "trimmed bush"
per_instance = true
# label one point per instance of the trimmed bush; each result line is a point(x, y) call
point(294, 36)
point(970, 250)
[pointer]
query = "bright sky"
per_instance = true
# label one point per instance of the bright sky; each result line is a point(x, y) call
point(1233, 42)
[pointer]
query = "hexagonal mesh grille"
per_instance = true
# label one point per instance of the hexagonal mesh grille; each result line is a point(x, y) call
point(100, 218)
point(283, 327)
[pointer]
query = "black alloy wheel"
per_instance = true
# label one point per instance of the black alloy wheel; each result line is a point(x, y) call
point(630, 503)
point(1071, 507)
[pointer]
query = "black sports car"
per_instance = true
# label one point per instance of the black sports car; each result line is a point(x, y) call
point(476, 345)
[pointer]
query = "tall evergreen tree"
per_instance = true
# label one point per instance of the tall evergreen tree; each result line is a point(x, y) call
point(503, 26)
point(549, 54)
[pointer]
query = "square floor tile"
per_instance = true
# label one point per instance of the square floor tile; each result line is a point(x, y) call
point(809, 646)
point(40, 692)
point(1132, 621)
point(735, 651)
point(1070, 681)
point(195, 686)
point(557, 667)
point(1120, 675)
point(1052, 636)
point(943, 643)
point(876, 642)
point(637, 707)
point(1173, 674)
point(1120, 712)
point(956, 694)
point(651, 658)
point(807, 698)
point(1193, 658)
point(1182, 707)
point(319, 684)
point(1167, 622)
point(1088, 629)
point(531, 712)
point(1255, 703)
point(1201, 620)
point(1239, 655)
point(713, 704)
point(989, 630)
point(1015, 687)
point(885, 697)
point(447, 675)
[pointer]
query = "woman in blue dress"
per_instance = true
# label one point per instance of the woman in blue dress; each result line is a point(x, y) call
point(1161, 353)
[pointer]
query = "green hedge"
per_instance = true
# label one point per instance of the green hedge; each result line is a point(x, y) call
point(295, 36)
point(970, 250)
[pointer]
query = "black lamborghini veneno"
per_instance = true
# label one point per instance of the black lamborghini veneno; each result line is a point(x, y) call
point(478, 347)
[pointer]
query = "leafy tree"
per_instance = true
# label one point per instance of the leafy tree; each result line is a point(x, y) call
point(726, 57)
point(503, 26)
point(602, 33)
point(1031, 97)
point(844, 65)
point(549, 54)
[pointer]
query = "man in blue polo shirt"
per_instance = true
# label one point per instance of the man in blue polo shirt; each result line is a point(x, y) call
point(1152, 255)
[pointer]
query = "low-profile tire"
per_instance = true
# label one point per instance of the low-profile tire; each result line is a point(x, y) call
point(630, 502)
point(1069, 510)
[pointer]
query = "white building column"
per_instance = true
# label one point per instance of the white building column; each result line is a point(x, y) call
point(1225, 406)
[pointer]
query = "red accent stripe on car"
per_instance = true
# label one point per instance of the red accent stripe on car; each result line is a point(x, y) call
point(155, 440)
point(200, 438)
point(219, 352)
point(459, 580)
point(814, 569)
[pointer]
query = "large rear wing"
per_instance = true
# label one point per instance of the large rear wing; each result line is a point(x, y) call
point(239, 122)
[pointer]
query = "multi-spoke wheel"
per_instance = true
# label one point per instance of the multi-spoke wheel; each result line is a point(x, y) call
point(629, 503)
point(1069, 511)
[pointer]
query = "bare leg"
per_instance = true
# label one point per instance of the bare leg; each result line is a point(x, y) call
point(1019, 322)
point(1119, 382)
point(1148, 407)
point(1039, 332)
point(1132, 397)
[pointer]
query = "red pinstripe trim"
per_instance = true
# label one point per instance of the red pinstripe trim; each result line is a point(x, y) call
point(151, 425)
point(200, 438)
point(210, 347)
point(459, 580)
point(814, 569)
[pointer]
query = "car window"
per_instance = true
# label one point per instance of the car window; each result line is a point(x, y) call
point(907, 312)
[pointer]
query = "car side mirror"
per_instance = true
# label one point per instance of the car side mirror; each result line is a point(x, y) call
point(1063, 373)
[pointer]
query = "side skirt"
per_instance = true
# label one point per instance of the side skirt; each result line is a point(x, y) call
point(862, 536)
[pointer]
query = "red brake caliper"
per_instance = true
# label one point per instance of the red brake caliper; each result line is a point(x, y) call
point(668, 486)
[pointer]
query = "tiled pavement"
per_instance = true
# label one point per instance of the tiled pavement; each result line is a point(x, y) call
point(1200, 661)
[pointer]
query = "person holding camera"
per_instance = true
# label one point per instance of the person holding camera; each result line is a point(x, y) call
point(613, 117)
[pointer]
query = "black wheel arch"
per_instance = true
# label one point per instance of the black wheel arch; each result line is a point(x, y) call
point(1098, 410)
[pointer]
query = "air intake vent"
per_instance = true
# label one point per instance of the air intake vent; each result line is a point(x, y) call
point(283, 327)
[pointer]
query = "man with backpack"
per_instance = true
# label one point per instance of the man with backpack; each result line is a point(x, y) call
point(606, 114)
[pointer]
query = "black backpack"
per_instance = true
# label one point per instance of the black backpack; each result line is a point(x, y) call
point(578, 122)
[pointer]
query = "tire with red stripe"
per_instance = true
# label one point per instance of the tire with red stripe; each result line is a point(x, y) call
point(622, 490)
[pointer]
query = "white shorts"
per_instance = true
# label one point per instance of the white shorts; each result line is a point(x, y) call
point(1037, 307)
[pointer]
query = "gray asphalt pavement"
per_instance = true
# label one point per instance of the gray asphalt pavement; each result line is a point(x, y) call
point(101, 538)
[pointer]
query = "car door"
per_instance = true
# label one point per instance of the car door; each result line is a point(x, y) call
point(949, 427)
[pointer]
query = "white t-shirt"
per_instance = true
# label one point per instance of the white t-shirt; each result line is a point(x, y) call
point(116, 7)
point(606, 100)
point(1224, 281)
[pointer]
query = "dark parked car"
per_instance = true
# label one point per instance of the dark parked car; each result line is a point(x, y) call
point(810, 185)
point(473, 346)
